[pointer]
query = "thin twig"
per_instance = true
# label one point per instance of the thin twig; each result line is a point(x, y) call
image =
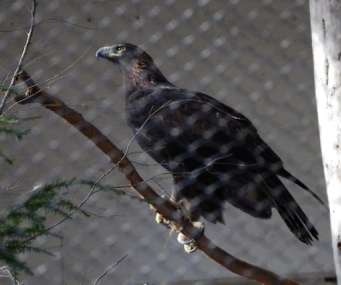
point(35, 95)
point(50, 20)
point(58, 76)
point(22, 57)
point(111, 267)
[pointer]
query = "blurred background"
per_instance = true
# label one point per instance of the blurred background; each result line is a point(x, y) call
point(254, 56)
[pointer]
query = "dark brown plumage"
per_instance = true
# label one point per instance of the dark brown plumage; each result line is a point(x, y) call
point(214, 153)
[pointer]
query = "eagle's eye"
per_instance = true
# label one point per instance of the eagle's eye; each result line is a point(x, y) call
point(120, 48)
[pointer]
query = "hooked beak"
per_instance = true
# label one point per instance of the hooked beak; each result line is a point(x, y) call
point(105, 52)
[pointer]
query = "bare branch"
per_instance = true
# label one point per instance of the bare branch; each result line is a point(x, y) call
point(35, 95)
point(22, 57)
point(49, 20)
point(111, 267)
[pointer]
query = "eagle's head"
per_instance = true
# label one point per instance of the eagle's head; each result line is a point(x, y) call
point(123, 54)
point(137, 66)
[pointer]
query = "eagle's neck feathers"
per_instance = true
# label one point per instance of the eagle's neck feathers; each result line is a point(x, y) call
point(142, 74)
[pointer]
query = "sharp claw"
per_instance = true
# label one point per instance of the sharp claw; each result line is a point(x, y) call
point(189, 248)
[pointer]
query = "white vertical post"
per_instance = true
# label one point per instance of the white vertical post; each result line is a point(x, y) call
point(325, 17)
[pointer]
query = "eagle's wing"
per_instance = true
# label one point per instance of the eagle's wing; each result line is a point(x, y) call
point(197, 125)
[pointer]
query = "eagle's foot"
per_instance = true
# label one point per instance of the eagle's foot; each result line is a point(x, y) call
point(190, 244)
point(167, 223)
point(161, 220)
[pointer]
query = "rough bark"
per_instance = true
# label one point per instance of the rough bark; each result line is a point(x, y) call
point(325, 18)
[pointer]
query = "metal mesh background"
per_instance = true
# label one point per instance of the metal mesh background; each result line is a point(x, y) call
point(254, 56)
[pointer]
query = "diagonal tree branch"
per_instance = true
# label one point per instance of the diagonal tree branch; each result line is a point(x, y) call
point(35, 95)
point(22, 57)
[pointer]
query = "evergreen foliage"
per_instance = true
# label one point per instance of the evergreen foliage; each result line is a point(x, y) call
point(21, 223)
point(9, 125)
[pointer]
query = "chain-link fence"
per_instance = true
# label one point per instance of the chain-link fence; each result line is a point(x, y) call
point(254, 56)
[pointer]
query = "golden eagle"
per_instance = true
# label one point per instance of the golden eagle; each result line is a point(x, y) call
point(213, 152)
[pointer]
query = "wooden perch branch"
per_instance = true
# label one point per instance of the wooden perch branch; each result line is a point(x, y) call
point(35, 95)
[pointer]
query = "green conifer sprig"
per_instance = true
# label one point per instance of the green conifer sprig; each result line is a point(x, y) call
point(9, 125)
point(23, 222)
